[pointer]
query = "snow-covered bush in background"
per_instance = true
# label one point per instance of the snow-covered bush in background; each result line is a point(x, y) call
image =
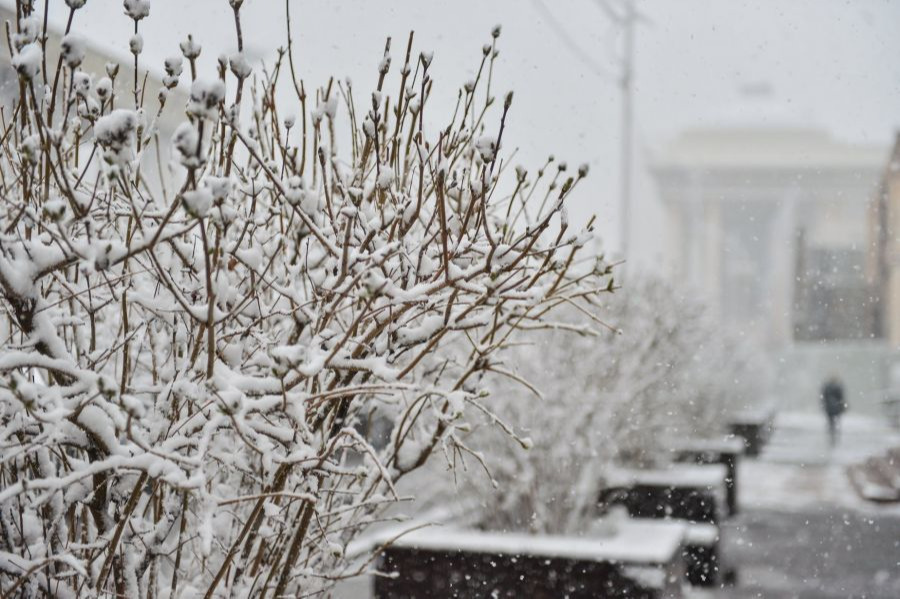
point(657, 371)
point(189, 365)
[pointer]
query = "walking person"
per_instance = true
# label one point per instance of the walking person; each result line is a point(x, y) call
point(834, 404)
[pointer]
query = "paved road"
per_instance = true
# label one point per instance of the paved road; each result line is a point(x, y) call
point(803, 533)
point(819, 554)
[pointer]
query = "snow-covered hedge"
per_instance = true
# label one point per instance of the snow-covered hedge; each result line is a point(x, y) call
point(655, 372)
point(191, 356)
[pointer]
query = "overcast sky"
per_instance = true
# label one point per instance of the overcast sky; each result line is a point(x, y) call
point(834, 63)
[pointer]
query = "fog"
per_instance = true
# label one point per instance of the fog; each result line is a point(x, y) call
point(830, 63)
point(263, 346)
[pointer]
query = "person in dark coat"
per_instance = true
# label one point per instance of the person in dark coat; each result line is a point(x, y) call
point(834, 404)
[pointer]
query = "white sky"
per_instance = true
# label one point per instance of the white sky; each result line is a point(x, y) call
point(836, 62)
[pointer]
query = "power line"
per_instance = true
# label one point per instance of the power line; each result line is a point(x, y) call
point(611, 14)
point(625, 17)
point(628, 11)
point(576, 50)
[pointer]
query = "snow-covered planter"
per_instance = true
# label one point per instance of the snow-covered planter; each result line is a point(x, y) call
point(753, 426)
point(641, 559)
point(189, 362)
point(694, 494)
point(704, 565)
point(688, 492)
point(726, 451)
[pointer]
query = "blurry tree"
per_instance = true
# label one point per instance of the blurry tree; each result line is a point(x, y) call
point(600, 397)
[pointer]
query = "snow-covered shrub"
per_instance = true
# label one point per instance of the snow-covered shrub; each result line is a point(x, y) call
point(188, 368)
point(656, 371)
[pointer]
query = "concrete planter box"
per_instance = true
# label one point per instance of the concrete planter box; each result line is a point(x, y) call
point(642, 560)
point(701, 555)
point(755, 428)
point(695, 494)
point(726, 451)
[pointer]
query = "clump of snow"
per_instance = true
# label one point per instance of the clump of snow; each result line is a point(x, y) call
point(29, 30)
point(240, 66)
point(173, 67)
point(136, 44)
point(219, 187)
point(487, 147)
point(137, 9)
point(635, 541)
point(54, 209)
point(73, 50)
point(385, 178)
point(104, 88)
point(115, 133)
point(206, 96)
point(190, 48)
point(186, 141)
point(81, 83)
point(197, 202)
point(29, 149)
point(27, 61)
point(325, 108)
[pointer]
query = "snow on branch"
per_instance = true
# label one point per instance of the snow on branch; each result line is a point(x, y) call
point(225, 341)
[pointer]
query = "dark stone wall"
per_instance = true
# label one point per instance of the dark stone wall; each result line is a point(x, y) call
point(694, 504)
point(703, 567)
point(729, 459)
point(427, 574)
point(754, 434)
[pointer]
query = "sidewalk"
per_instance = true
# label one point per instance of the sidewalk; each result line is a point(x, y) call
point(801, 438)
point(798, 470)
point(803, 532)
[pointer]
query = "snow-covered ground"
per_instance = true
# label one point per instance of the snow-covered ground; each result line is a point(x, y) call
point(801, 438)
point(798, 470)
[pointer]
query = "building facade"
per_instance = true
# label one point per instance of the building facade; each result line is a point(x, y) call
point(884, 255)
point(769, 223)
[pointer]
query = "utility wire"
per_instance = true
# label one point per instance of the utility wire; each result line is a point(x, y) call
point(576, 50)
point(611, 14)
point(627, 12)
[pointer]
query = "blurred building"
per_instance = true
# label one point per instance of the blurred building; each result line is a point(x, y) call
point(771, 225)
point(884, 237)
point(768, 220)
